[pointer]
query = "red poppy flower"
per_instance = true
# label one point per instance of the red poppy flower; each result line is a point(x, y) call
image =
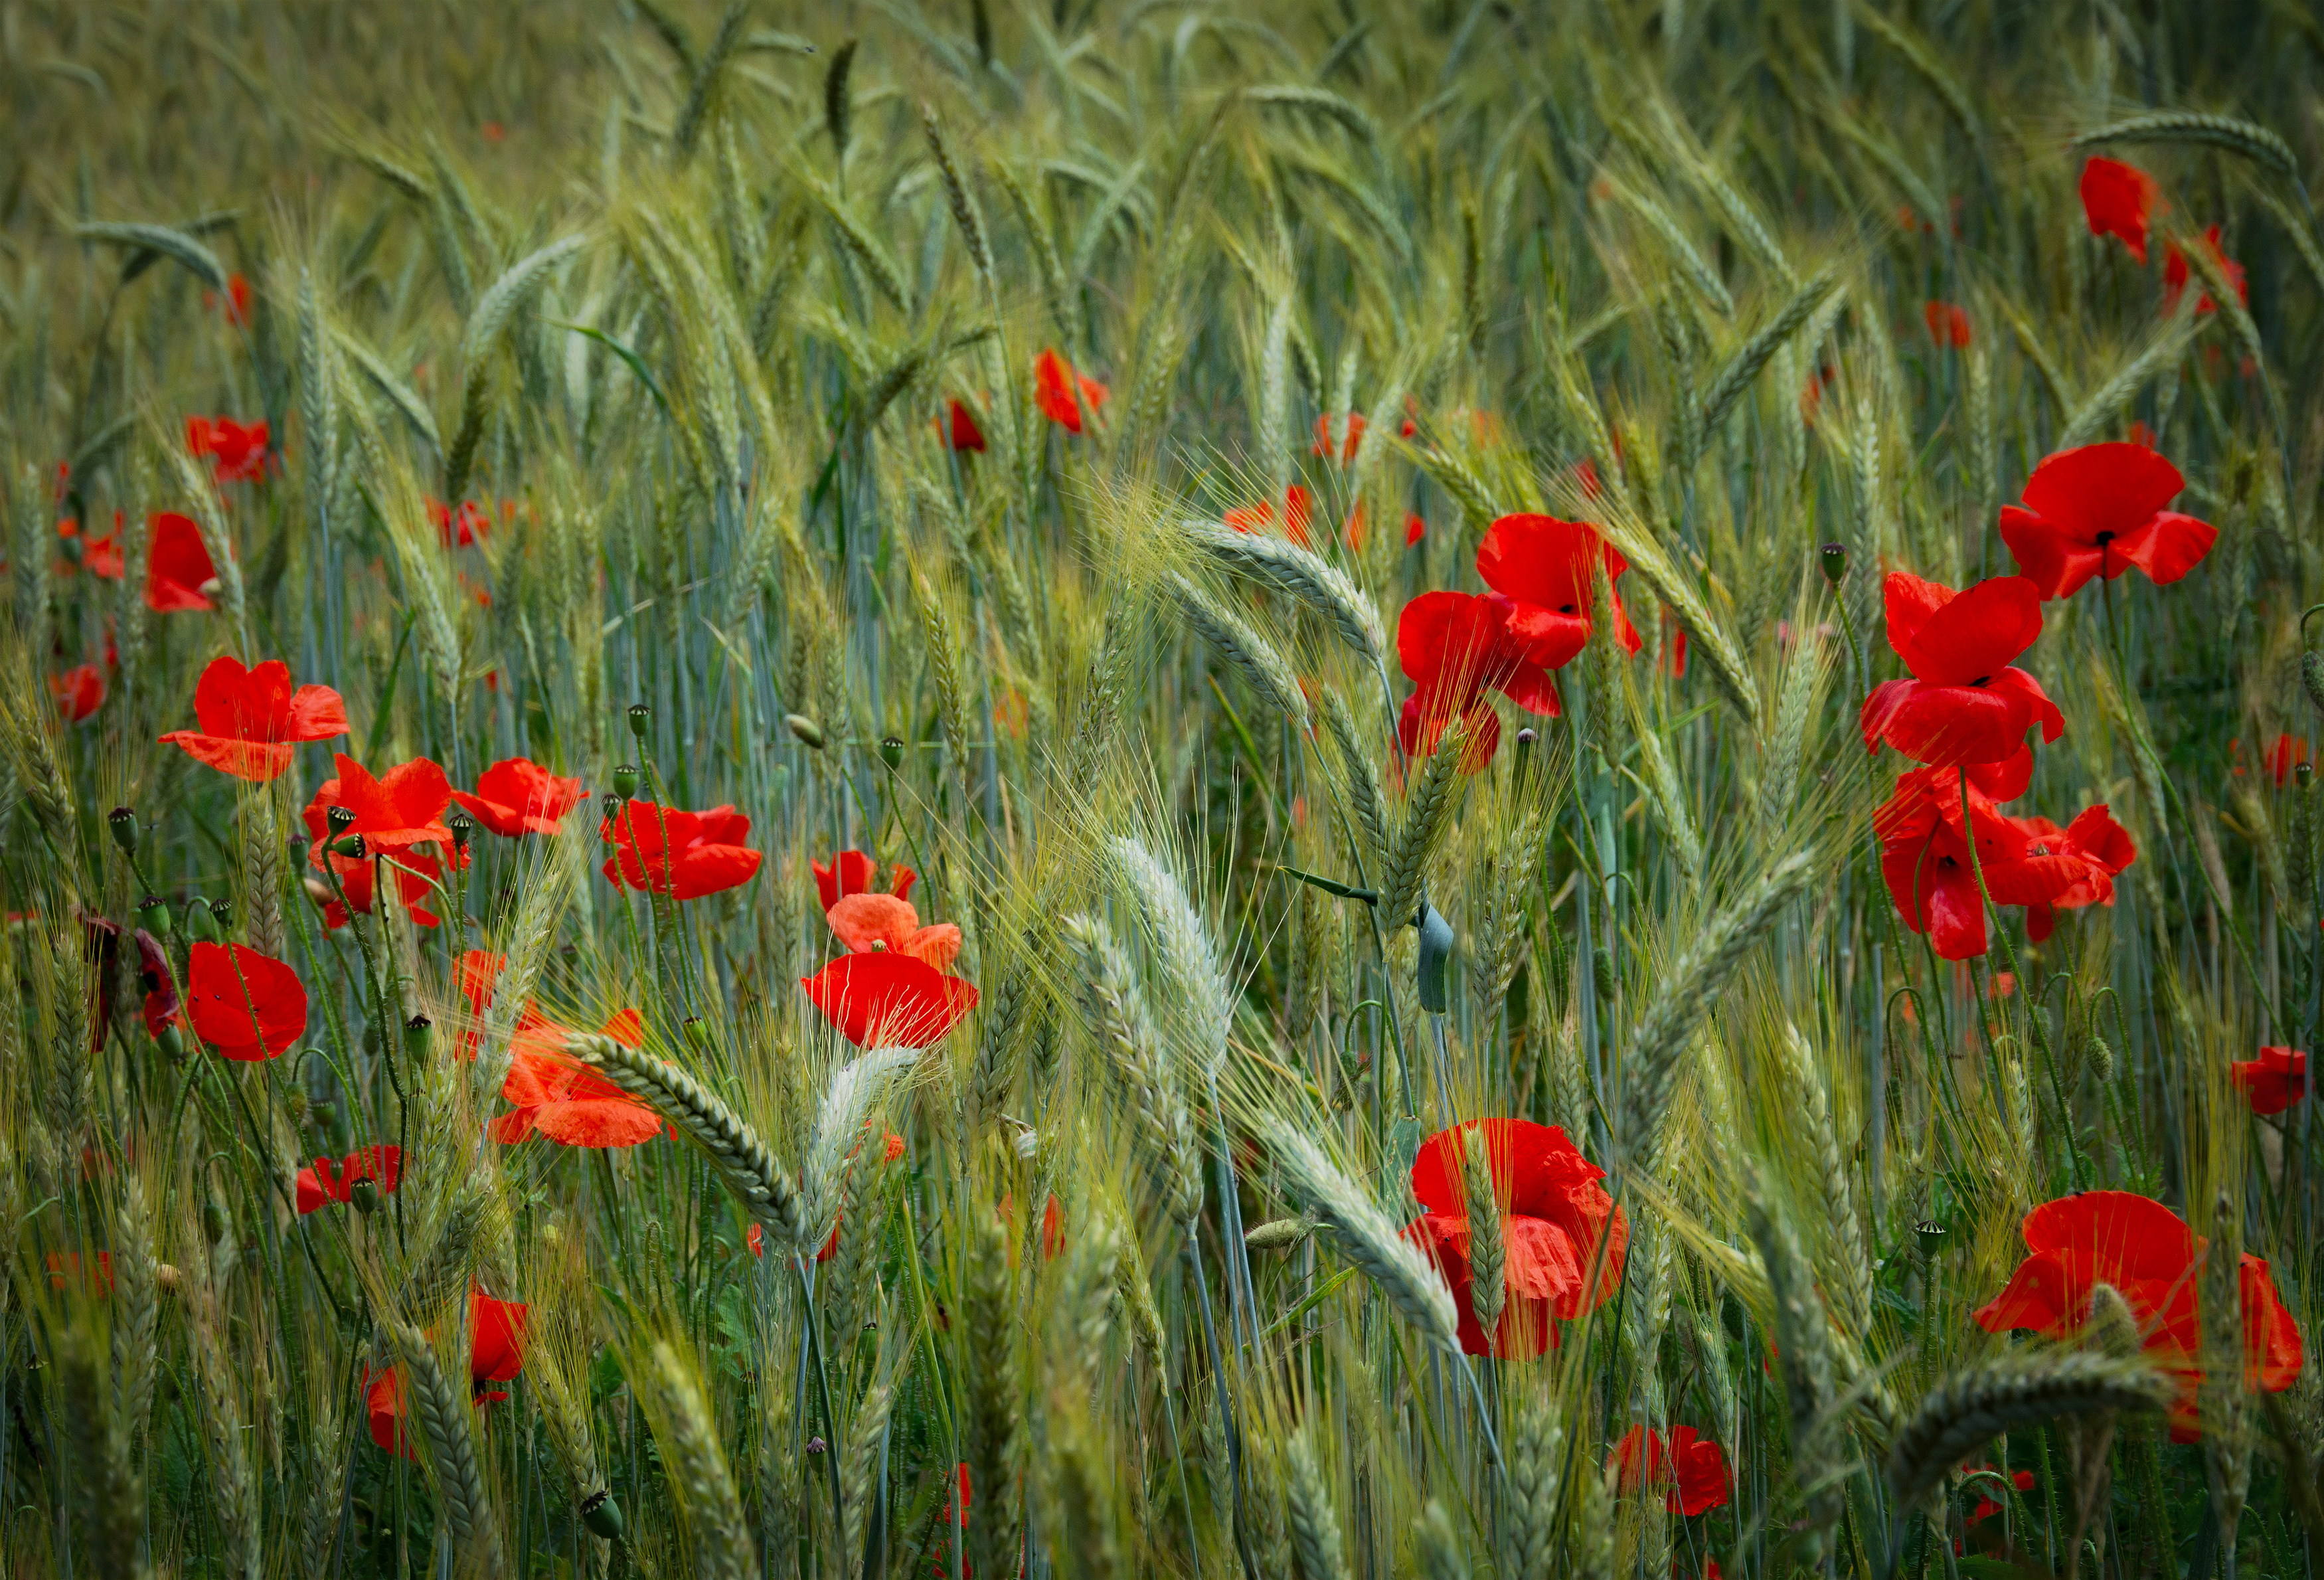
point(394, 811)
point(2098, 511)
point(1965, 703)
point(2288, 753)
point(2118, 199)
point(417, 879)
point(471, 522)
point(78, 692)
point(236, 303)
point(496, 1343)
point(1054, 381)
point(159, 983)
point(1948, 323)
point(1986, 1507)
point(244, 1004)
point(1349, 425)
point(850, 872)
point(1564, 1238)
point(1415, 529)
point(2275, 1081)
point(867, 923)
point(2176, 272)
point(570, 1103)
point(179, 574)
point(1689, 1467)
point(329, 1181)
point(1298, 505)
point(1454, 646)
point(517, 797)
point(237, 450)
point(704, 852)
point(250, 717)
point(64, 1265)
point(1542, 565)
point(889, 1000)
point(965, 434)
point(1585, 475)
point(2148, 1252)
point(100, 557)
point(384, 1409)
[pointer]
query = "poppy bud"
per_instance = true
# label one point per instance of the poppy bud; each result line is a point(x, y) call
point(2312, 675)
point(697, 1033)
point(891, 752)
point(816, 1445)
point(200, 926)
point(171, 1043)
point(415, 1036)
point(2101, 1053)
point(602, 1515)
point(338, 819)
point(153, 915)
point(641, 719)
point(1835, 562)
point(364, 1197)
point(1435, 950)
point(461, 826)
point(625, 781)
point(1931, 1235)
point(1602, 968)
point(318, 890)
point(809, 732)
point(351, 846)
point(123, 823)
point(214, 1220)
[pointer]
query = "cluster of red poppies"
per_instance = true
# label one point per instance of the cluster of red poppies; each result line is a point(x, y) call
point(890, 989)
point(1065, 394)
point(2121, 200)
point(497, 1339)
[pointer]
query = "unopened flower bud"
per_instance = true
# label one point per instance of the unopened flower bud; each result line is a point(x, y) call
point(1602, 969)
point(153, 915)
point(808, 732)
point(641, 719)
point(625, 781)
point(364, 1197)
point(1834, 557)
point(122, 823)
point(891, 752)
point(2101, 1053)
point(171, 1042)
point(697, 1033)
point(602, 1515)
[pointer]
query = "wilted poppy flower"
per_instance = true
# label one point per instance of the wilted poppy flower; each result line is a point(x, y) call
point(330, 1181)
point(2148, 1252)
point(2097, 512)
point(244, 1004)
point(850, 873)
point(1544, 566)
point(157, 982)
point(496, 1341)
point(867, 923)
point(236, 304)
point(179, 573)
point(237, 450)
point(1564, 1239)
point(1965, 703)
point(2176, 272)
point(2119, 199)
point(459, 530)
point(1453, 647)
point(961, 431)
point(1349, 426)
point(384, 1409)
point(889, 1000)
point(1297, 506)
point(394, 811)
point(1690, 1468)
point(685, 854)
point(2275, 1081)
point(1054, 381)
point(1948, 323)
point(551, 1093)
point(250, 717)
point(78, 692)
point(516, 796)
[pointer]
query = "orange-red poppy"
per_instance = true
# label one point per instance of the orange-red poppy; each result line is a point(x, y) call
point(551, 1094)
point(1965, 703)
point(2273, 1082)
point(238, 450)
point(246, 1005)
point(867, 923)
point(684, 855)
point(2120, 199)
point(889, 1000)
point(2098, 511)
point(179, 572)
point(2176, 274)
point(851, 871)
point(517, 796)
point(329, 1180)
point(78, 692)
point(1056, 382)
point(250, 717)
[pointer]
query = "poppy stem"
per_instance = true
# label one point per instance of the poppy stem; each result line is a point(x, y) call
point(822, 1390)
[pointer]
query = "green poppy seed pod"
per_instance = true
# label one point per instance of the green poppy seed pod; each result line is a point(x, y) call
point(416, 1032)
point(602, 1515)
point(641, 719)
point(697, 1033)
point(1602, 968)
point(338, 819)
point(1932, 1236)
point(612, 807)
point(1834, 557)
point(1435, 950)
point(808, 732)
point(172, 1043)
point(364, 1197)
point(461, 826)
point(350, 845)
point(372, 1044)
point(200, 925)
point(625, 781)
point(122, 824)
point(2312, 675)
point(222, 913)
point(153, 915)
point(2101, 1053)
point(891, 752)
point(215, 1221)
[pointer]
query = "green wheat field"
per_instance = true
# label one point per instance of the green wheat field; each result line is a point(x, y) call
point(1150, 788)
